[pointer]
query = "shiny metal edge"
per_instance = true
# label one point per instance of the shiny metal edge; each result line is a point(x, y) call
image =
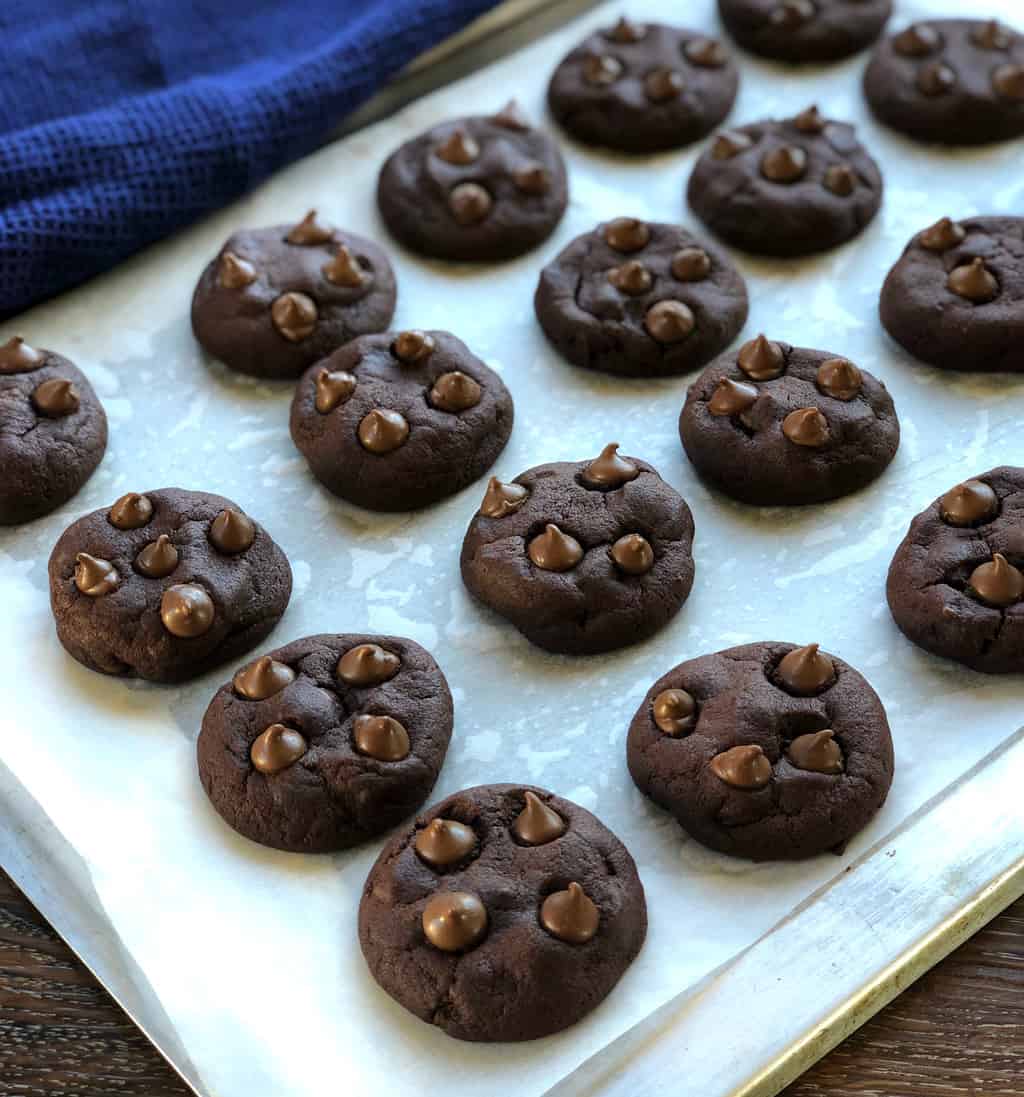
point(901, 914)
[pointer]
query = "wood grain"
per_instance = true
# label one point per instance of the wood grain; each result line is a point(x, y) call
point(958, 1032)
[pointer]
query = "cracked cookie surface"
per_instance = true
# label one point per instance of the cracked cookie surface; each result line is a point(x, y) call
point(504, 912)
point(275, 300)
point(400, 420)
point(582, 557)
point(640, 299)
point(780, 425)
point(53, 431)
point(955, 298)
point(643, 87)
point(947, 590)
point(327, 741)
point(786, 188)
point(165, 585)
point(954, 81)
point(765, 751)
point(805, 30)
point(480, 188)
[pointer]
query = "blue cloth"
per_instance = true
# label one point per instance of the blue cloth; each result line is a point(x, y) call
point(124, 120)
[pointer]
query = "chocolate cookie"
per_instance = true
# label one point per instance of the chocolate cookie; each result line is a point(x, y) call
point(582, 556)
point(480, 188)
point(166, 585)
point(327, 741)
point(805, 30)
point(53, 431)
point(640, 87)
point(776, 425)
point(955, 81)
point(955, 299)
point(397, 421)
point(503, 913)
point(786, 188)
point(767, 751)
point(956, 583)
point(640, 299)
point(276, 300)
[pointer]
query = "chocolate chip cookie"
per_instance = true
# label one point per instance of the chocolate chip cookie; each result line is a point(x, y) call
point(776, 425)
point(641, 299)
point(502, 913)
point(583, 556)
point(53, 431)
point(481, 188)
point(165, 585)
point(954, 81)
point(400, 420)
point(788, 188)
point(955, 298)
point(641, 87)
point(956, 583)
point(805, 30)
point(276, 300)
point(767, 751)
point(327, 741)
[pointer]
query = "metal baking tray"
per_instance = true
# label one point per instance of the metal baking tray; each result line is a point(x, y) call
point(750, 971)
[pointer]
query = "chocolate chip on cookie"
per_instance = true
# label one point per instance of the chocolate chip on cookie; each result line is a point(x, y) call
point(641, 299)
point(775, 424)
point(805, 30)
point(785, 752)
point(470, 892)
point(640, 87)
point(956, 583)
point(165, 585)
point(786, 188)
point(53, 431)
point(398, 421)
point(327, 741)
point(955, 298)
point(276, 300)
point(954, 81)
point(582, 557)
point(479, 188)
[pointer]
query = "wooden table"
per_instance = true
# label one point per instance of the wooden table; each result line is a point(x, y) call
point(959, 1032)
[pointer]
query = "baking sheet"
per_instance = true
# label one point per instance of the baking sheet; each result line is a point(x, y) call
point(207, 922)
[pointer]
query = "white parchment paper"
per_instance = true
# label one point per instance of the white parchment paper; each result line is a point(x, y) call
point(252, 954)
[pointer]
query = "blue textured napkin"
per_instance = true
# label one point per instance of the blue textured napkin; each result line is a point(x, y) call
point(123, 120)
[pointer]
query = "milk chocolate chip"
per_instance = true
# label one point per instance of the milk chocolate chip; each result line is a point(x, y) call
point(501, 500)
point(1008, 80)
point(537, 824)
point(761, 360)
point(16, 356)
point(706, 53)
point(459, 148)
point(992, 35)
point(785, 164)
point(918, 40)
point(627, 234)
point(381, 737)
point(731, 397)
point(967, 503)
point(55, 398)
point(841, 179)
point(626, 31)
point(691, 265)
point(413, 346)
point(262, 678)
point(675, 712)
point(532, 179)
point(973, 281)
point(333, 388)
point(570, 915)
point(276, 748)
point(809, 121)
point(469, 203)
point(444, 842)
point(839, 378)
point(633, 554)
point(935, 78)
point(131, 511)
point(729, 144)
point(817, 752)
point(942, 236)
point(669, 321)
point(294, 315)
point(454, 392)
point(998, 582)
point(806, 427)
point(186, 610)
point(792, 14)
point(455, 921)
point(554, 550)
point(234, 272)
point(805, 670)
point(94, 576)
point(511, 117)
point(632, 278)
point(157, 559)
point(232, 532)
point(745, 767)
point(367, 665)
point(609, 470)
point(661, 85)
point(382, 431)
point(601, 70)
point(344, 269)
point(310, 230)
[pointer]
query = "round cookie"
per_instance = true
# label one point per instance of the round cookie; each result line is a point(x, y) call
point(583, 556)
point(326, 741)
point(954, 81)
point(955, 298)
point(786, 188)
point(805, 30)
point(642, 87)
point(481, 188)
point(779, 425)
point(504, 913)
point(276, 300)
point(53, 431)
point(766, 751)
point(400, 420)
point(641, 299)
point(956, 583)
point(166, 585)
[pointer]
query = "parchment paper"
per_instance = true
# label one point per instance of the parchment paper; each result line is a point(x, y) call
point(252, 954)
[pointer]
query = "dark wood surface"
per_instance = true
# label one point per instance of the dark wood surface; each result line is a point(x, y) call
point(958, 1032)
